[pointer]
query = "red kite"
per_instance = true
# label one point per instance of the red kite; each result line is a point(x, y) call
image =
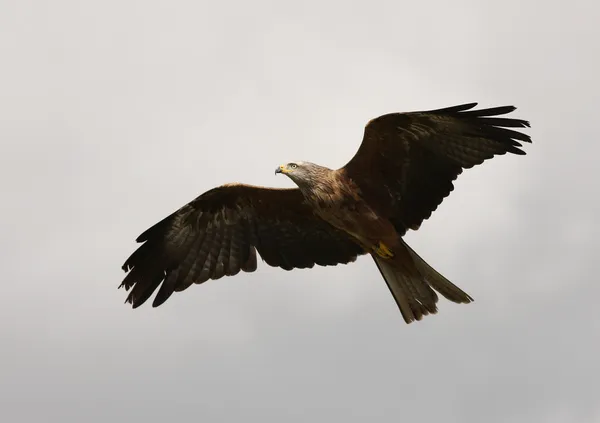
point(403, 170)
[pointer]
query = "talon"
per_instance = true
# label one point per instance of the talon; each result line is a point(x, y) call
point(383, 251)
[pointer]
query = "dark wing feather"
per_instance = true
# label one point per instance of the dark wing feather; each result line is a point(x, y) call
point(219, 233)
point(407, 162)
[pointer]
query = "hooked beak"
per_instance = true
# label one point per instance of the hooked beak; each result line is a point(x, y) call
point(280, 169)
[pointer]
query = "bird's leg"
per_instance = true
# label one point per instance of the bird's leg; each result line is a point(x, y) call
point(383, 251)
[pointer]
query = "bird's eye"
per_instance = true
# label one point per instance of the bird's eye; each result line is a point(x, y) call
point(293, 165)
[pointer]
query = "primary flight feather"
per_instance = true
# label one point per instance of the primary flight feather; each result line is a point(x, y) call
point(403, 169)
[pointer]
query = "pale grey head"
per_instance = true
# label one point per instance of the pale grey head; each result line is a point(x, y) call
point(302, 173)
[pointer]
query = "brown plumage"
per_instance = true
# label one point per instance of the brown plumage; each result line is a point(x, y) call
point(403, 170)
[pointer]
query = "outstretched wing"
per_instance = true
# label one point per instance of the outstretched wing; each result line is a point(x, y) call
point(407, 162)
point(219, 233)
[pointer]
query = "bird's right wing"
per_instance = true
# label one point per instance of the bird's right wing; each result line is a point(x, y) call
point(218, 234)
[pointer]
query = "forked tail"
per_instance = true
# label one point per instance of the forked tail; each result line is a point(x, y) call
point(412, 283)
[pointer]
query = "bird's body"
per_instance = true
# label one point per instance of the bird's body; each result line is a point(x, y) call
point(403, 169)
point(340, 203)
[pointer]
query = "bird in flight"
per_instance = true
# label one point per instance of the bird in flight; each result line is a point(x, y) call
point(402, 171)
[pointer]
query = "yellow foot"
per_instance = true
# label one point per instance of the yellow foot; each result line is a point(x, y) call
point(383, 251)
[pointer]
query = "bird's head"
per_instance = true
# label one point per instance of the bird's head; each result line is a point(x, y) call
point(299, 172)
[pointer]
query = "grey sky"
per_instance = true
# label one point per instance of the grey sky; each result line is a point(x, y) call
point(113, 114)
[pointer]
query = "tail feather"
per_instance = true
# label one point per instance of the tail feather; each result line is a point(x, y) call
point(412, 287)
point(438, 281)
point(412, 305)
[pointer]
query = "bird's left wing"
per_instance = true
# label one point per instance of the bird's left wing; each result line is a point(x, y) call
point(407, 162)
point(218, 234)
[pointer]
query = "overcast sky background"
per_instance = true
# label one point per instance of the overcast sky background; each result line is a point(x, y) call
point(113, 114)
